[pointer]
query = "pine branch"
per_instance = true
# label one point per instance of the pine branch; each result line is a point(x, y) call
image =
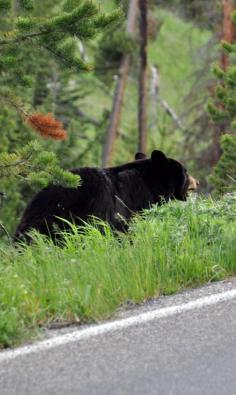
point(25, 37)
point(59, 55)
point(18, 162)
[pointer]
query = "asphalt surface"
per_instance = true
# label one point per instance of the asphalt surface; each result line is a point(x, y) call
point(193, 352)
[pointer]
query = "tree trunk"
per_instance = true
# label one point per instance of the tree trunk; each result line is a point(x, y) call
point(142, 105)
point(228, 29)
point(120, 90)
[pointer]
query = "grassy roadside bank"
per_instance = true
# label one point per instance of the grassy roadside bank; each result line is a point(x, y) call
point(169, 248)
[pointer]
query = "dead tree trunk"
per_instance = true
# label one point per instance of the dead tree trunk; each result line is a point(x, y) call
point(120, 89)
point(142, 105)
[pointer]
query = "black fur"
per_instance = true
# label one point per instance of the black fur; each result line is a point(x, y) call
point(113, 194)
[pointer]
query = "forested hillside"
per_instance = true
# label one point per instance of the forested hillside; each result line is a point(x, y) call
point(74, 77)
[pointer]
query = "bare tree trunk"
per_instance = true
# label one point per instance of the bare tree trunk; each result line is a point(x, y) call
point(142, 105)
point(154, 93)
point(228, 29)
point(120, 89)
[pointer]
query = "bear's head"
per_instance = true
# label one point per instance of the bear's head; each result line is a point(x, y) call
point(167, 177)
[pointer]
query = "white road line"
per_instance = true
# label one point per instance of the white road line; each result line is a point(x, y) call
point(96, 330)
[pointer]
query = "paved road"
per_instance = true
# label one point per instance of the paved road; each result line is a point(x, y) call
point(192, 352)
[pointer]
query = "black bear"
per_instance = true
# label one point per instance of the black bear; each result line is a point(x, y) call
point(111, 194)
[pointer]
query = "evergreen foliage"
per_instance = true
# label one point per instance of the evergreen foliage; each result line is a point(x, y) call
point(38, 54)
point(223, 178)
point(111, 49)
point(223, 111)
point(58, 35)
point(37, 166)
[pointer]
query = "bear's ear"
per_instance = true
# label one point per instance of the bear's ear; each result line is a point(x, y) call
point(159, 158)
point(140, 155)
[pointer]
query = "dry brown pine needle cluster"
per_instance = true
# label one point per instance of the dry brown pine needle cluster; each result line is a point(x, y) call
point(46, 126)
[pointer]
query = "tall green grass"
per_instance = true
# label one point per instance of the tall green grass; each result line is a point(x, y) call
point(167, 249)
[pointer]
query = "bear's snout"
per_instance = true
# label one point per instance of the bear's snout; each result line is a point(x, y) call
point(193, 183)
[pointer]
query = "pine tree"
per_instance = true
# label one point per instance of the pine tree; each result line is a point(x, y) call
point(223, 111)
point(57, 36)
point(33, 47)
point(223, 178)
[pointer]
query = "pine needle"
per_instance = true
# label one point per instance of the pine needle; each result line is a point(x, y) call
point(46, 126)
